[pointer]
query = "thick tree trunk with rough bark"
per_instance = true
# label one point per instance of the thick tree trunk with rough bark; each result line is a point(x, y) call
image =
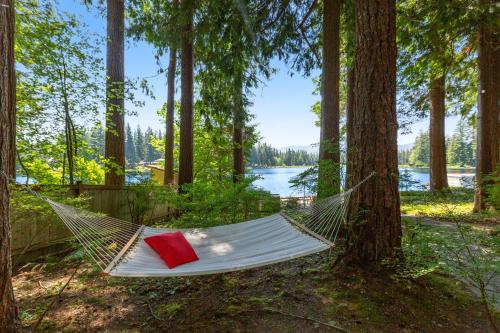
point(8, 309)
point(439, 178)
point(375, 221)
point(169, 134)
point(186, 128)
point(488, 117)
point(115, 71)
point(329, 154)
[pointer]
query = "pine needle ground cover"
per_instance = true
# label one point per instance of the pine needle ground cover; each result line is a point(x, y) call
point(299, 296)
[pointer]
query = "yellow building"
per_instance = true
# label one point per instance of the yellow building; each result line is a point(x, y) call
point(158, 172)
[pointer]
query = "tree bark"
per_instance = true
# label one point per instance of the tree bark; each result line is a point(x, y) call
point(238, 134)
point(488, 117)
point(169, 134)
point(238, 153)
point(437, 140)
point(8, 309)
point(68, 128)
point(349, 125)
point(238, 128)
point(329, 154)
point(186, 128)
point(374, 212)
point(115, 119)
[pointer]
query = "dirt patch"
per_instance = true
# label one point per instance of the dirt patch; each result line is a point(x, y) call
point(302, 295)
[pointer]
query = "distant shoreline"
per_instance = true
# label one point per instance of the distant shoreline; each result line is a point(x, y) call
point(281, 167)
point(471, 169)
point(404, 166)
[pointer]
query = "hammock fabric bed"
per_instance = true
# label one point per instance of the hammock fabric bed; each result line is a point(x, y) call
point(118, 246)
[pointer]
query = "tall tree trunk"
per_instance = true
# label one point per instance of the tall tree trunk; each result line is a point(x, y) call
point(439, 178)
point(69, 149)
point(169, 134)
point(115, 119)
point(375, 221)
point(349, 125)
point(186, 129)
point(329, 154)
point(488, 117)
point(68, 132)
point(238, 153)
point(8, 309)
point(238, 129)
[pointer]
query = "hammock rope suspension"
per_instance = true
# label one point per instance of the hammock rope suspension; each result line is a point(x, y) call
point(117, 246)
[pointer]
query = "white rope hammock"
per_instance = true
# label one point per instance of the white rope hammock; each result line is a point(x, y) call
point(118, 246)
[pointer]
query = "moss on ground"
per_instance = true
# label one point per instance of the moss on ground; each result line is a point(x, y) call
point(302, 295)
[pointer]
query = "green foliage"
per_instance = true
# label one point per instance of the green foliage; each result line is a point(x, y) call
point(420, 154)
point(306, 181)
point(139, 144)
point(420, 258)
point(330, 172)
point(406, 181)
point(493, 190)
point(461, 146)
point(433, 41)
point(88, 171)
point(144, 196)
point(130, 151)
point(25, 205)
point(454, 205)
point(470, 254)
point(59, 80)
point(212, 146)
point(223, 202)
point(94, 138)
point(461, 249)
point(263, 155)
point(35, 215)
point(41, 171)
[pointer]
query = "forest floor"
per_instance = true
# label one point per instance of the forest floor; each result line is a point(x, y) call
point(303, 295)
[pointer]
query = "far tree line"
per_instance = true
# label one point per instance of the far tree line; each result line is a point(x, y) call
point(264, 155)
point(145, 146)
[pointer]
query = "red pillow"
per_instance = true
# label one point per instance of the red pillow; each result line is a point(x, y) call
point(173, 248)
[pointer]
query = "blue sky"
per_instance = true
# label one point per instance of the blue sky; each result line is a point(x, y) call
point(281, 106)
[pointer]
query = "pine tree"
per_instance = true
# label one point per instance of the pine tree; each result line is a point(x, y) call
point(139, 144)
point(150, 152)
point(130, 155)
point(96, 143)
point(419, 154)
point(460, 147)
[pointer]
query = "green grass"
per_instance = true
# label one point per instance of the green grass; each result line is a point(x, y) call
point(452, 205)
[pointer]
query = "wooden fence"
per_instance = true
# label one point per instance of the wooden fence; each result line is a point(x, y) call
point(34, 235)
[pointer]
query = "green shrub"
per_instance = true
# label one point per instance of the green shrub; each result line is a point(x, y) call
point(144, 196)
point(493, 190)
point(205, 204)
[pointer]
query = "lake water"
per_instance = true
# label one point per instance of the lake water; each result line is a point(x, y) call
point(275, 180)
